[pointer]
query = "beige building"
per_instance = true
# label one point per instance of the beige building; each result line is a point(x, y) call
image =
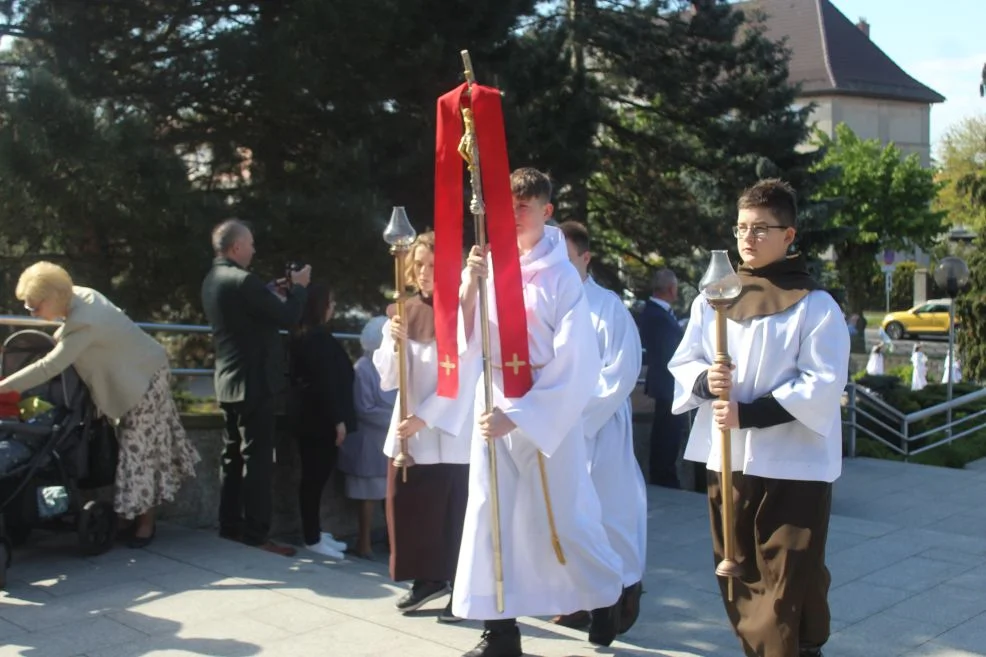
point(846, 75)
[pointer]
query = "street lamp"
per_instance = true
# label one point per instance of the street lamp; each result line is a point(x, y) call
point(951, 275)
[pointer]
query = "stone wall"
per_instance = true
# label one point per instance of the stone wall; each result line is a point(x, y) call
point(198, 502)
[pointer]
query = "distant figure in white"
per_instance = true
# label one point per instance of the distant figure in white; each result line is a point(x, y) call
point(874, 366)
point(919, 378)
point(955, 366)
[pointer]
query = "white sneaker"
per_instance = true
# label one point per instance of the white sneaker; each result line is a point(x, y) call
point(325, 550)
point(329, 539)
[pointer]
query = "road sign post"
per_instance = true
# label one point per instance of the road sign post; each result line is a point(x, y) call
point(888, 281)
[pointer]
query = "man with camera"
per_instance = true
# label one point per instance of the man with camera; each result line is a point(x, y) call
point(246, 319)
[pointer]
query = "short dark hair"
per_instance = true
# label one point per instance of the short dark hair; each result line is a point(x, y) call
point(774, 195)
point(577, 234)
point(226, 233)
point(316, 306)
point(528, 183)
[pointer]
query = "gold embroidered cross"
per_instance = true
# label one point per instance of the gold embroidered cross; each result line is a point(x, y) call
point(515, 364)
point(447, 365)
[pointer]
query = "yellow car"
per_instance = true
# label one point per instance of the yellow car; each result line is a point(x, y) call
point(928, 318)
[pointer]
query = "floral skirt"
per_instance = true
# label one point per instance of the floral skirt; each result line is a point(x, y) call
point(155, 454)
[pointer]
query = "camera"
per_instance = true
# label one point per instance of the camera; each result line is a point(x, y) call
point(290, 268)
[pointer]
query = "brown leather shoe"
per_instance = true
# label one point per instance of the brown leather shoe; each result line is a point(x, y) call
point(282, 550)
point(577, 621)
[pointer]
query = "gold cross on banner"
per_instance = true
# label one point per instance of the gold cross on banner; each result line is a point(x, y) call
point(447, 365)
point(515, 364)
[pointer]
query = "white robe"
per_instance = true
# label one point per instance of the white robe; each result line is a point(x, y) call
point(874, 365)
point(801, 356)
point(566, 368)
point(449, 421)
point(919, 375)
point(956, 368)
point(608, 421)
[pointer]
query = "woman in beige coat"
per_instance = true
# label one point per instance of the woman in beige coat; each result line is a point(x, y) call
point(128, 377)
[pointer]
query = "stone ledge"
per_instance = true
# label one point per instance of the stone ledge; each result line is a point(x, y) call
point(197, 503)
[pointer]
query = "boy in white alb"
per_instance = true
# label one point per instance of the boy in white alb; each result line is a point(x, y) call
point(790, 350)
point(608, 422)
point(548, 418)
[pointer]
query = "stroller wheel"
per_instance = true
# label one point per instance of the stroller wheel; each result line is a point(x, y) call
point(97, 527)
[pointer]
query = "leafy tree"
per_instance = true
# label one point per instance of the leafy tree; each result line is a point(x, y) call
point(886, 204)
point(962, 153)
point(971, 310)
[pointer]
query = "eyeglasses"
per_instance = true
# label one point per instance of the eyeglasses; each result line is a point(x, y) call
point(759, 232)
point(29, 308)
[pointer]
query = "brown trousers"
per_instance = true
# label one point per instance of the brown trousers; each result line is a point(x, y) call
point(780, 604)
point(425, 516)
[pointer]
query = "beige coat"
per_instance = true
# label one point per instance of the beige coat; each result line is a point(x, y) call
point(113, 356)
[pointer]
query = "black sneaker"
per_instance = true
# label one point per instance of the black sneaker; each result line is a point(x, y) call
point(604, 626)
point(420, 595)
point(498, 643)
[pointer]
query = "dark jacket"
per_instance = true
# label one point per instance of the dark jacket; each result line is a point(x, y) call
point(322, 381)
point(660, 335)
point(246, 318)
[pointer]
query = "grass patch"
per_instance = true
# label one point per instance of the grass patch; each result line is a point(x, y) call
point(873, 318)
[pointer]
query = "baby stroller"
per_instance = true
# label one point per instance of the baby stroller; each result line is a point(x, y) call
point(49, 461)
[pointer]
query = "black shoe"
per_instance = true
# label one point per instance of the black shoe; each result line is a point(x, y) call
point(420, 595)
point(810, 652)
point(630, 607)
point(604, 626)
point(141, 542)
point(498, 643)
point(447, 616)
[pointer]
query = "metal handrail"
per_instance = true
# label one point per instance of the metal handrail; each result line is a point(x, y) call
point(879, 403)
point(150, 327)
point(946, 405)
point(861, 401)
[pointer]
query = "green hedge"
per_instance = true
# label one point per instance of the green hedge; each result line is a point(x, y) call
point(892, 390)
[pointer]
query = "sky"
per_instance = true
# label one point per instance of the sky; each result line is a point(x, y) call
point(941, 46)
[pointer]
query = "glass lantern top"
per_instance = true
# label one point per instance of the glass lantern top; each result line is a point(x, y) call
point(952, 275)
point(720, 282)
point(399, 232)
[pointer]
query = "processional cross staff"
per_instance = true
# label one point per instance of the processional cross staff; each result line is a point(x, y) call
point(472, 116)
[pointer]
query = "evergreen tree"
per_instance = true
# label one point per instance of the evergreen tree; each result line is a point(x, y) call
point(687, 100)
point(308, 118)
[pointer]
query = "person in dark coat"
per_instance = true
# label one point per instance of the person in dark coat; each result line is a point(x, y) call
point(246, 317)
point(660, 334)
point(322, 390)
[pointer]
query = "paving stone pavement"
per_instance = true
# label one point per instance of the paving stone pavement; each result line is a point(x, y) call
point(907, 551)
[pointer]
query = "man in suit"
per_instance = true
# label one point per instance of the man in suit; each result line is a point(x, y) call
point(660, 334)
point(246, 317)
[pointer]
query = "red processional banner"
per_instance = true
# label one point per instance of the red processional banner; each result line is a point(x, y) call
point(501, 231)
